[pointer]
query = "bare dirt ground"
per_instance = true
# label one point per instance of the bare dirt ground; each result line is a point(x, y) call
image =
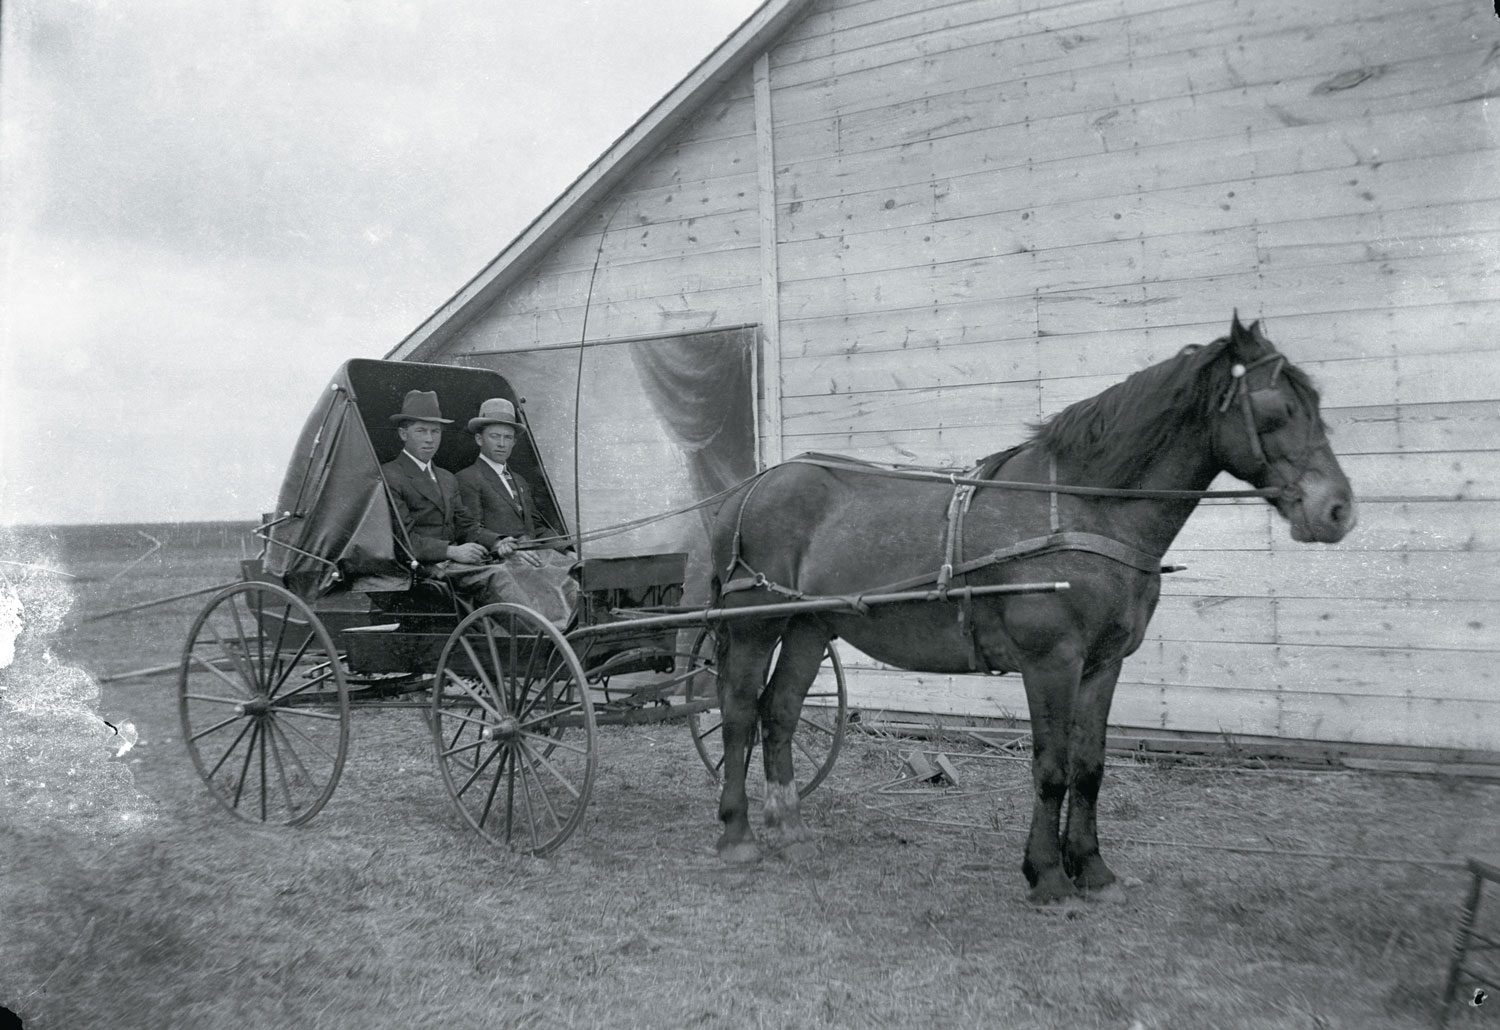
point(131, 900)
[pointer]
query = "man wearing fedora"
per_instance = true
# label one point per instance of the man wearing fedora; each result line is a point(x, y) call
point(497, 496)
point(502, 501)
point(444, 536)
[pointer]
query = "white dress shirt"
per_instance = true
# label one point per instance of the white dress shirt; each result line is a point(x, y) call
point(500, 471)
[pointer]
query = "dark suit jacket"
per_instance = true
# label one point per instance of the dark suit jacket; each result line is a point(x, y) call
point(486, 497)
point(434, 515)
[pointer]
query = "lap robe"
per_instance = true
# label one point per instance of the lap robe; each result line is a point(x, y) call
point(537, 579)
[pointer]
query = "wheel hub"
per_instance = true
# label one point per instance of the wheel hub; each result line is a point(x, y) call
point(256, 706)
point(508, 727)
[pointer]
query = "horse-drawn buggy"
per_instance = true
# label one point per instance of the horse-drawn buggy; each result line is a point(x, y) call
point(1044, 559)
point(336, 615)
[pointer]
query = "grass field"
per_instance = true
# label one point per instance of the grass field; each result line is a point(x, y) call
point(130, 900)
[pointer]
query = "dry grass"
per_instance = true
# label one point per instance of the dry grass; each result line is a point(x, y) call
point(385, 912)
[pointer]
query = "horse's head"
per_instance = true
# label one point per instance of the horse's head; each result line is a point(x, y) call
point(1270, 433)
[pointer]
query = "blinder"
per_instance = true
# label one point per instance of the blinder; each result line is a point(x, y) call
point(1265, 409)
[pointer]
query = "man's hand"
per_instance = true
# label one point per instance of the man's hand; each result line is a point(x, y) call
point(467, 554)
point(505, 547)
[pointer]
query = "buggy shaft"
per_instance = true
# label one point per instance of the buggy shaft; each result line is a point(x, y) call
point(852, 602)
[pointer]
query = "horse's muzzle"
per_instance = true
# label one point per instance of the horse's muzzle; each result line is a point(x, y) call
point(1320, 508)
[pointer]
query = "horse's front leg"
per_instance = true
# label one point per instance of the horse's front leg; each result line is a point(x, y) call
point(743, 654)
point(1051, 683)
point(1085, 775)
point(802, 647)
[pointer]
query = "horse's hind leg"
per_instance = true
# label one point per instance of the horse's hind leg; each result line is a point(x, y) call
point(744, 654)
point(802, 646)
point(1081, 855)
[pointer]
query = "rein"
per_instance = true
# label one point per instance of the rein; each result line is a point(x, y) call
point(954, 479)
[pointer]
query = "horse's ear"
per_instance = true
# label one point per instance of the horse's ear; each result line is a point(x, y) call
point(1239, 338)
point(1245, 344)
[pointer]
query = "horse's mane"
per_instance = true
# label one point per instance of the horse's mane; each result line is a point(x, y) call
point(1116, 434)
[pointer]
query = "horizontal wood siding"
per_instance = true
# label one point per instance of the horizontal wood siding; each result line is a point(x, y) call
point(677, 247)
point(989, 211)
point(986, 210)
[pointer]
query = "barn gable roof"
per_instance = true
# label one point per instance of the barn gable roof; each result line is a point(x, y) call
point(624, 155)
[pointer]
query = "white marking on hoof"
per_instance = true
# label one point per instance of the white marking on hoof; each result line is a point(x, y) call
point(782, 807)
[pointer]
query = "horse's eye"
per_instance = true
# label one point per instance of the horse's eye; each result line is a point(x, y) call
point(1271, 409)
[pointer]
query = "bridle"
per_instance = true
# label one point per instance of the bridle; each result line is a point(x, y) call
point(1249, 399)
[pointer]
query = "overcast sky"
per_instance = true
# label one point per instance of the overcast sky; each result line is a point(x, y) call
point(207, 206)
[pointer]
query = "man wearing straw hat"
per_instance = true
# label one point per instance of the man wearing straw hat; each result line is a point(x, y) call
point(502, 501)
point(445, 538)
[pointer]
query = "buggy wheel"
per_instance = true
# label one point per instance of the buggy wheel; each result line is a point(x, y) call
point(513, 726)
point(820, 727)
point(264, 704)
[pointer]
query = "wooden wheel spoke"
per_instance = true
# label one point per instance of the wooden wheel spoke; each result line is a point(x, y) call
point(555, 743)
point(528, 776)
point(543, 762)
point(550, 714)
point(211, 667)
point(286, 792)
point(292, 753)
point(239, 627)
point(230, 749)
point(466, 718)
point(312, 681)
point(458, 749)
point(287, 666)
point(239, 787)
point(216, 727)
point(479, 671)
point(549, 693)
point(304, 713)
point(523, 682)
point(499, 666)
point(474, 696)
point(807, 752)
point(508, 758)
point(816, 725)
point(480, 767)
point(309, 741)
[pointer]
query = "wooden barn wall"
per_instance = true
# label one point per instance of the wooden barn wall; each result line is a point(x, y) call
point(680, 247)
point(988, 210)
point(985, 210)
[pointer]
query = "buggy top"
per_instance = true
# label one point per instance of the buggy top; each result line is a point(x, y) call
point(335, 525)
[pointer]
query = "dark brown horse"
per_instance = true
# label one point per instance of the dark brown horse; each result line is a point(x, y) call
point(826, 527)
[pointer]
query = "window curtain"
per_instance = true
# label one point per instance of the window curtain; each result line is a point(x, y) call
point(700, 388)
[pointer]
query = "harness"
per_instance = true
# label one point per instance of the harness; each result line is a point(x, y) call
point(955, 566)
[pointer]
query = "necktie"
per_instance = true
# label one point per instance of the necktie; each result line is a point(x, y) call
point(505, 479)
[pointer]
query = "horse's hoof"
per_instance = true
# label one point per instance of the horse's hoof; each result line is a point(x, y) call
point(797, 851)
point(1109, 894)
point(1052, 887)
point(1095, 875)
point(739, 853)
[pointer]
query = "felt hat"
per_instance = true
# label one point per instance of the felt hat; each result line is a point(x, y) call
point(497, 411)
point(420, 406)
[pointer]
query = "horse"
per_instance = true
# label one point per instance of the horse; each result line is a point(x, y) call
point(1094, 498)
